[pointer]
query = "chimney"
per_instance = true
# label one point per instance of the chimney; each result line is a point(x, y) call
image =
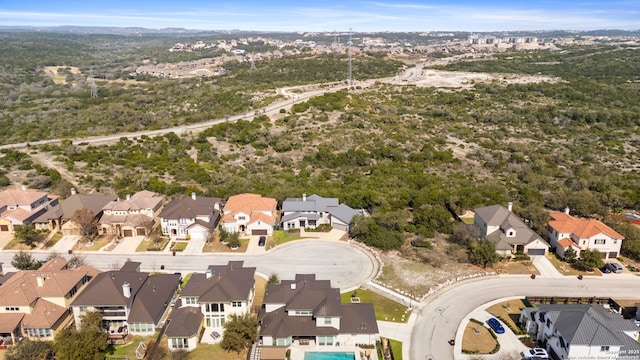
point(304, 197)
point(510, 206)
point(567, 210)
point(193, 195)
point(74, 191)
point(128, 197)
point(293, 286)
point(126, 290)
point(40, 280)
point(207, 273)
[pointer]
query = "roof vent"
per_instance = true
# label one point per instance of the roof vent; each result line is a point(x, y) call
point(126, 290)
point(293, 286)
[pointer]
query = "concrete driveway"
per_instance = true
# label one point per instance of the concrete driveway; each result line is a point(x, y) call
point(65, 244)
point(545, 267)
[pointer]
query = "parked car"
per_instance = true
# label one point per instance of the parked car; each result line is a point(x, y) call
point(495, 325)
point(535, 353)
point(612, 267)
point(262, 240)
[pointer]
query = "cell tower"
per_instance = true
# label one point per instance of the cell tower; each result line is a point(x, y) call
point(349, 77)
point(94, 88)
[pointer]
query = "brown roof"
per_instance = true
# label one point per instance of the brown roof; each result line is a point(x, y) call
point(139, 201)
point(9, 322)
point(153, 298)
point(280, 325)
point(225, 283)
point(188, 207)
point(184, 322)
point(20, 196)
point(582, 228)
point(44, 315)
point(358, 319)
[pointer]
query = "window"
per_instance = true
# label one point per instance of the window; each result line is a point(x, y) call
point(11, 308)
point(303, 312)
point(604, 348)
point(327, 321)
point(179, 343)
point(615, 241)
point(241, 217)
point(236, 304)
point(600, 241)
point(183, 221)
point(190, 301)
point(302, 223)
point(83, 309)
point(312, 223)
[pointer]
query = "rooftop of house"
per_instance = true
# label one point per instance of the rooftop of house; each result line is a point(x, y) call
point(497, 215)
point(248, 204)
point(139, 201)
point(221, 283)
point(582, 228)
point(191, 207)
point(20, 196)
point(294, 207)
point(185, 322)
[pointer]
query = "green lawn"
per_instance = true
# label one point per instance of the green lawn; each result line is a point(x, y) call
point(281, 237)
point(386, 309)
point(396, 348)
point(147, 244)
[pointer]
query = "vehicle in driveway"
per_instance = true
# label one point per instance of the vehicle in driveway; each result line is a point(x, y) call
point(495, 325)
point(535, 353)
point(612, 267)
point(262, 240)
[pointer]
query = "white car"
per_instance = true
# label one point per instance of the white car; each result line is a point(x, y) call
point(535, 353)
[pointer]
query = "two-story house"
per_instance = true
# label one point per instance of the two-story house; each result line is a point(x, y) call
point(510, 234)
point(306, 311)
point(34, 303)
point(22, 206)
point(581, 331)
point(219, 293)
point(60, 216)
point(129, 300)
point(249, 214)
point(566, 231)
point(134, 216)
point(309, 212)
point(196, 216)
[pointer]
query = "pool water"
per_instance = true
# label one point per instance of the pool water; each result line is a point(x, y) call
point(320, 355)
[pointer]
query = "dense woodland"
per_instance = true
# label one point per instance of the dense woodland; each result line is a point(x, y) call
point(412, 156)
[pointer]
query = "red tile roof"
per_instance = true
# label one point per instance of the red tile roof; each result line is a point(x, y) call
point(582, 228)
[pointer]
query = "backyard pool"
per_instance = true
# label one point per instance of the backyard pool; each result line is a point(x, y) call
point(321, 355)
point(632, 216)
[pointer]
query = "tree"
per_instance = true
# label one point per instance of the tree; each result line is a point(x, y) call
point(30, 350)
point(23, 260)
point(26, 233)
point(589, 259)
point(570, 255)
point(239, 332)
point(483, 252)
point(87, 222)
point(273, 279)
point(90, 342)
point(234, 240)
point(464, 234)
point(75, 261)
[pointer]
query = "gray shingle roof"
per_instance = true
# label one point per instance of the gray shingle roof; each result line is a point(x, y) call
point(185, 322)
point(496, 215)
point(231, 282)
point(316, 203)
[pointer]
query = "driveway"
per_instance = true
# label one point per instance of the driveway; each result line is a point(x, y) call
point(128, 245)
point(545, 267)
point(65, 244)
point(195, 246)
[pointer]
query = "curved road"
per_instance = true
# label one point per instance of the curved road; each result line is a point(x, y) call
point(345, 265)
point(442, 313)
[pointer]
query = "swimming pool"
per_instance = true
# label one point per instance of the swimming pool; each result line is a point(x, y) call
point(632, 216)
point(321, 355)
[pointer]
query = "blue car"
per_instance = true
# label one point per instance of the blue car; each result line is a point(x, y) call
point(495, 325)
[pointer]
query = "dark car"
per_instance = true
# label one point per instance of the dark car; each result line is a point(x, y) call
point(495, 325)
point(612, 267)
point(262, 240)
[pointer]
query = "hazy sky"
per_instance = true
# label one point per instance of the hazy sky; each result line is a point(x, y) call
point(328, 15)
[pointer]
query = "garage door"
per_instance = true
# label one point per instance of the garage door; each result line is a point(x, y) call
point(613, 255)
point(259, 232)
point(127, 233)
point(4, 227)
point(338, 226)
point(140, 232)
point(536, 251)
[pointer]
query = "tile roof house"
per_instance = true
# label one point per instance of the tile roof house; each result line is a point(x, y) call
point(309, 212)
point(305, 311)
point(34, 303)
point(134, 216)
point(222, 291)
point(581, 331)
point(510, 234)
point(59, 217)
point(566, 231)
point(129, 300)
point(196, 216)
point(250, 214)
point(23, 206)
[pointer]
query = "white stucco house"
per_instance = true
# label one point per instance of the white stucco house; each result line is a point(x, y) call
point(249, 214)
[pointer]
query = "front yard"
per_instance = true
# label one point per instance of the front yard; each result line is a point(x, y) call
point(508, 312)
point(477, 339)
point(566, 268)
point(385, 308)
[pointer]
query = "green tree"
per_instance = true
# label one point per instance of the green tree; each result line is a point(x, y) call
point(23, 260)
point(273, 279)
point(590, 259)
point(570, 255)
point(26, 233)
point(90, 342)
point(30, 350)
point(483, 253)
point(239, 332)
point(368, 231)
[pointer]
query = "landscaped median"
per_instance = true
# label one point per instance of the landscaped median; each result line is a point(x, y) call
point(478, 339)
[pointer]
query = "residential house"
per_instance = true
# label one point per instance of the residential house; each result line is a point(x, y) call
point(196, 216)
point(129, 300)
point(250, 214)
point(34, 303)
point(566, 231)
point(510, 234)
point(219, 293)
point(23, 206)
point(581, 331)
point(59, 217)
point(184, 329)
point(309, 212)
point(306, 311)
point(134, 216)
